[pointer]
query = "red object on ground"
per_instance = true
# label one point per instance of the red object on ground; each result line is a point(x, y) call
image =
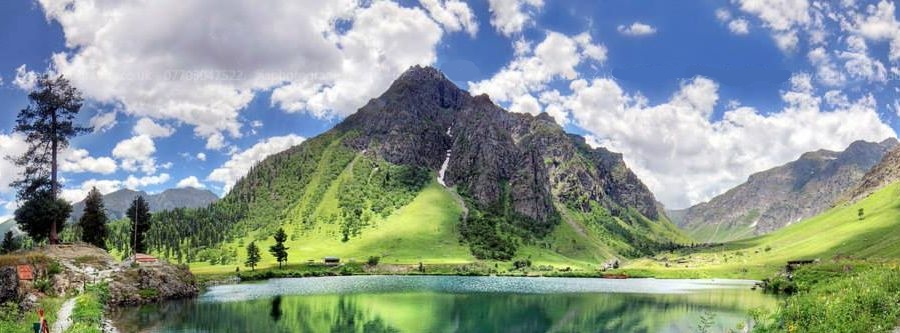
point(614, 276)
point(140, 257)
point(25, 272)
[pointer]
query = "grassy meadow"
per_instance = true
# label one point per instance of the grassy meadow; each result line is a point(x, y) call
point(422, 231)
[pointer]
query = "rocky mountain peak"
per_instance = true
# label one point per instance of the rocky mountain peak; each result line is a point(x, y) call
point(545, 117)
point(418, 74)
point(491, 155)
point(884, 173)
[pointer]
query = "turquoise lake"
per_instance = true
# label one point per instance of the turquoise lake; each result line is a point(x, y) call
point(371, 304)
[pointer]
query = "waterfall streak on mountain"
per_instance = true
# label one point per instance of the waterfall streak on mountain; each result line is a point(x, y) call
point(446, 162)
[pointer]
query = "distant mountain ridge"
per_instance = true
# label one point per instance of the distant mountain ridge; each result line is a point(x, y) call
point(117, 202)
point(7, 226)
point(777, 197)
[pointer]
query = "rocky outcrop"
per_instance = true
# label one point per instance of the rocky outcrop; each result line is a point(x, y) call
point(9, 285)
point(407, 124)
point(152, 283)
point(775, 198)
point(887, 171)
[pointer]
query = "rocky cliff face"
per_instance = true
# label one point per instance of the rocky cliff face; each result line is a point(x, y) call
point(772, 199)
point(884, 173)
point(117, 203)
point(494, 156)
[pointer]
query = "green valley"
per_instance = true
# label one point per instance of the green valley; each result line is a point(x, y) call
point(835, 234)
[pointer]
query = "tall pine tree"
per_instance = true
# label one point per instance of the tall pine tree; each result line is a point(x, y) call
point(47, 123)
point(278, 250)
point(93, 222)
point(139, 214)
point(252, 256)
point(9, 243)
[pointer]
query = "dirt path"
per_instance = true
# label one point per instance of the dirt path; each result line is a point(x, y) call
point(63, 320)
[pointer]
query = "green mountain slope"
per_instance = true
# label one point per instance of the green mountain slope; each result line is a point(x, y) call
point(774, 198)
point(838, 232)
point(428, 173)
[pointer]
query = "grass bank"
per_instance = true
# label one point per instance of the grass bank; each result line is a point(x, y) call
point(841, 296)
point(14, 321)
point(87, 316)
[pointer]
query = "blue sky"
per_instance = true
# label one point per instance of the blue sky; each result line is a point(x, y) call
point(696, 94)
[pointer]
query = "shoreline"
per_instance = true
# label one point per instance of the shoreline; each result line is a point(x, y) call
point(209, 280)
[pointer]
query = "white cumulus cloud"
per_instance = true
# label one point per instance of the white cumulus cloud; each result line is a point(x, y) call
point(454, 15)
point(25, 79)
point(556, 57)
point(636, 29)
point(204, 65)
point(148, 127)
point(510, 17)
point(11, 145)
point(136, 153)
point(190, 182)
point(783, 17)
point(103, 121)
point(739, 26)
point(686, 158)
point(133, 182)
point(76, 194)
point(79, 160)
point(240, 163)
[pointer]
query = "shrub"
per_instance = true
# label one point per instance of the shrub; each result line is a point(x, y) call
point(43, 285)
point(54, 268)
point(148, 293)
point(9, 311)
point(373, 261)
point(520, 264)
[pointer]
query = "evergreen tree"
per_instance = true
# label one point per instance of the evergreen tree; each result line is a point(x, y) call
point(47, 125)
point(139, 214)
point(861, 214)
point(252, 256)
point(9, 244)
point(278, 250)
point(39, 213)
point(93, 222)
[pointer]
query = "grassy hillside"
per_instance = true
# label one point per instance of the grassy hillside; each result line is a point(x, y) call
point(837, 233)
point(707, 233)
point(425, 231)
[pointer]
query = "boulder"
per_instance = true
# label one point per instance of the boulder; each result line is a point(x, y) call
point(9, 284)
point(148, 284)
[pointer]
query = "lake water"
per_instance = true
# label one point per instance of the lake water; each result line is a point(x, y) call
point(372, 304)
